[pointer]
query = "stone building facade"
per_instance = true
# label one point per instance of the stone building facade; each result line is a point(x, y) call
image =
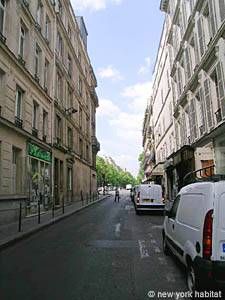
point(195, 43)
point(48, 103)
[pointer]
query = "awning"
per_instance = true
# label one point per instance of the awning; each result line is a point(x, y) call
point(158, 170)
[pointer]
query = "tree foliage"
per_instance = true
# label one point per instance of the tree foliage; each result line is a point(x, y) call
point(110, 174)
point(141, 168)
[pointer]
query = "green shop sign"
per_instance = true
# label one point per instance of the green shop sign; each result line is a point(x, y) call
point(35, 151)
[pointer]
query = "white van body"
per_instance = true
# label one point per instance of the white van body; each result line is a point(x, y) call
point(194, 230)
point(148, 197)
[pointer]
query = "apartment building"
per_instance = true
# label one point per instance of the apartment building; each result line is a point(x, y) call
point(47, 104)
point(196, 47)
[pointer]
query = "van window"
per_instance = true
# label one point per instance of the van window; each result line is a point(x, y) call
point(173, 210)
point(191, 210)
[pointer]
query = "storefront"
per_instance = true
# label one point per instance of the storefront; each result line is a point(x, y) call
point(219, 144)
point(39, 178)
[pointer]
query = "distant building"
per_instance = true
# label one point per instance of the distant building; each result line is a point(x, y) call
point(48, 102)
point(195, 46)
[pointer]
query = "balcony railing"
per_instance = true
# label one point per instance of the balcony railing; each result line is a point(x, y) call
point(2, 38)
point(18, 122)
point(95, 143)
point(35, 132)
point(218, 114)
point(21, 60)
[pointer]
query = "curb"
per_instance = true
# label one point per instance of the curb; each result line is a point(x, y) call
point(11, 241)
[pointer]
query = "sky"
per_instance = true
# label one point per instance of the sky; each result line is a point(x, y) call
point(123, 39)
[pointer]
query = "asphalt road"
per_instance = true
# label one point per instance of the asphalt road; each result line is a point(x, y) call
point(105, 252)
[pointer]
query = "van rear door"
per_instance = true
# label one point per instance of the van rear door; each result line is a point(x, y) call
point(219, 237)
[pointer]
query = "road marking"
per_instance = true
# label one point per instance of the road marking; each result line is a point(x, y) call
point(143, 249)
point(157, 227)
point(117, 230)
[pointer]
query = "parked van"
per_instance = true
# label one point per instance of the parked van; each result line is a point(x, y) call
point(194, 230)
point(148, 197)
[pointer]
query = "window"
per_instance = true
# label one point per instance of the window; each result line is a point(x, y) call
point(22, 41)
point(70, 138)
point(47, 28)
point(208, 103)
point(87, 153)
point(69, 179)
point(60, 8)
point(59, 45)
point(46, 72)
point(192, 120)
point(59, 87)
point(2, 15)
point(81, 147)
point(39, 13)
point(58, 128)
point(69, 97)
point(188, 64)
point(80, 117)
point(79, 56)
point(200, 106)
point(69, 32)
point(37, 61)
point(201, 37)
point(69, 65)
point(19, 99)
point(173, 211)
point(45, 125)
point(217, 77)
point(80, 86)
point(87, 126)
point(222, 9)
point(35, 115)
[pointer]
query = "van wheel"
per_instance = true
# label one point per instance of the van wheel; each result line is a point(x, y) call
point(166, 249)
point(137, 212)
point(192, 280)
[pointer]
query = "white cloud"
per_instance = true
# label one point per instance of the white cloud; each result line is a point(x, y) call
point(93, 5)
point(107, 108)
point(109, 72)
point(137, 95)
point(145, 69)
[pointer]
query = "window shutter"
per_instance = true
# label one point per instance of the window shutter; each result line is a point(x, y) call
point(221, 88)
point(208, 103)
point(212, 16)
point(193, 122)
point(202, 123)
point(200, 37)
point(188, 63)
point(222, 9)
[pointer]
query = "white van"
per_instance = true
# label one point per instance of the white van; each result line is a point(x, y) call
point(148, 197)
point(194, 230)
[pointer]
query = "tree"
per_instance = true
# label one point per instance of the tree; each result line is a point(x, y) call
point(108, 173)
point(140, 176)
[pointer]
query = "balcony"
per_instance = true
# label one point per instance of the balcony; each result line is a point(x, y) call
point(26, 3)
point(38, 26)
point(36, 77)
point(95, 143)
point(164, 5)
point(18, 122)
point(21, 60)
point(94, 96)
point(2, 38)
point(218, 114)
point(34, 132)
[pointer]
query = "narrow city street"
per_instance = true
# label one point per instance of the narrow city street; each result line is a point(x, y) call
point(101, 253)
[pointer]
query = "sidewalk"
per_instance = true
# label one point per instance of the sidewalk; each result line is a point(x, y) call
point(9, 233)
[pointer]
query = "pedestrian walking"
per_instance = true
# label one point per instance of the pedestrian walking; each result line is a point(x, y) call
point(117, 195)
